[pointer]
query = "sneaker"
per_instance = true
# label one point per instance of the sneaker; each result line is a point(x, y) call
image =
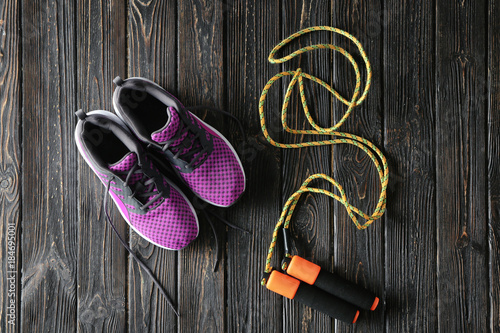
point(153, 207)
point(200, 155)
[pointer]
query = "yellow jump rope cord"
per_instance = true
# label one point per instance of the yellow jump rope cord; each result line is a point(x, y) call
point(369, 148)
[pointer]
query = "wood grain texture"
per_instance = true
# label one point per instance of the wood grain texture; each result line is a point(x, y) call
point(49, 209)
point(409, 83)
point(312, 224)
point(10, 165)
point(493, 154)
point(200, 82)
point(102, 268)
point(251, 32)
point(434, 259)
point(359, 254)
point(461, 167)
point(152, 48)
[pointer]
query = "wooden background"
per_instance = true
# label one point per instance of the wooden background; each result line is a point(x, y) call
point(433, 109)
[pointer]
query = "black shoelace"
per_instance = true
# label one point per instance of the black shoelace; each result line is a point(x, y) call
point(191, 143)
point(217, 249)
point(195, 149)
point(225, 113)
point(149, 185)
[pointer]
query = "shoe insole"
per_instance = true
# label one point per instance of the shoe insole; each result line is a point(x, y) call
point(105, 145)
point(145, 110)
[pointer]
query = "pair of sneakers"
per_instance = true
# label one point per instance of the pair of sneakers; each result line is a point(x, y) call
point(153, 128)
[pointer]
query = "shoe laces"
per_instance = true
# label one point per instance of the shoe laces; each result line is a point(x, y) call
point(191, 144)
point(195, 108)
point(206, 213)
point(125, 245)
point(144, 189)
point(189, 147)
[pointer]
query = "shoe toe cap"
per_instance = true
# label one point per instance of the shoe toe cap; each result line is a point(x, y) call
point(220, 180)
point(172, 224)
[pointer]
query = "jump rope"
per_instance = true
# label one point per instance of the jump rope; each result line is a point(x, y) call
point(303, 280)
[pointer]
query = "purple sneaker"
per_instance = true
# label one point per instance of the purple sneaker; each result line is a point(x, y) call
point(153, 207)
point(202, 157)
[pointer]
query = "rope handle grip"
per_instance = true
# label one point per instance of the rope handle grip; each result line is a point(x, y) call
point(333, 284)
point(313, 297)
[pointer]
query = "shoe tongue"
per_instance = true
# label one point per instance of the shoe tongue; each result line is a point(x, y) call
point(124, 165)
point(168, 131)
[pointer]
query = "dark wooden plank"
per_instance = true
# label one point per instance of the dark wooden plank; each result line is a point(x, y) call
point(200, 82)
point(49, 194)
point(10, 165)
point(359, 254)
point(461, 167)
point(311, 224)
point(493, 154)
point(249, 39)
point(102, 263)
point(152, 44)
point(409, 111)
